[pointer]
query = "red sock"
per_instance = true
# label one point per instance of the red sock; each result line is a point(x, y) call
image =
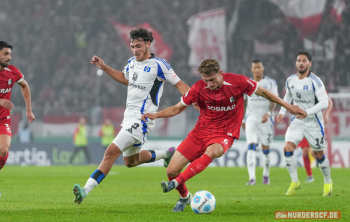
point(194, 168)
point(3, 160)
point(182, 189)
point(307, 165)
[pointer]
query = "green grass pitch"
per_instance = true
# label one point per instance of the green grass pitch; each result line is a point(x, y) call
point(45, 194)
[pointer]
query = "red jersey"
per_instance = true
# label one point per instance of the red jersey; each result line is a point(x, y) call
point(8, 77)
point(221, 110)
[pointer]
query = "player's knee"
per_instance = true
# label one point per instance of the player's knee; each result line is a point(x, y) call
point(130, 164)
point(171, 172)
point(3, 150)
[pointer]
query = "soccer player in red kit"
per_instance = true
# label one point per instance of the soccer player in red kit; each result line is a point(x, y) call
point(220, 97)
point(8, 76)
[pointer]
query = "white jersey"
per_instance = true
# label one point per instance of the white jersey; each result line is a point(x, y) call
point(258, 106)
point(146, 83)
point(306, 93)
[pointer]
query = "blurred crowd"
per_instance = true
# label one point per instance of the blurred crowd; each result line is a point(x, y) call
point(54, 40)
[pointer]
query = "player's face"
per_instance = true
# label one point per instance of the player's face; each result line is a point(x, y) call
point(257, 69)
point(5, 57)
point(214, 81)
point(303, 64)
point(140, 49)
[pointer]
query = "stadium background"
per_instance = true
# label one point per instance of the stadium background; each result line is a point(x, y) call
point(54, 40)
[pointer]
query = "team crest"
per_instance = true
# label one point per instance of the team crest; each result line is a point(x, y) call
point(292, 87)
point(226, 142)
point(134, 77)
point(298, 95)
point(305, 87)
point(10, 82)
point(147, 69)
point(232, 99)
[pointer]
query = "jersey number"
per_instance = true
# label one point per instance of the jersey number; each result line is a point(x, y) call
point(135, 126)
point(318, 142)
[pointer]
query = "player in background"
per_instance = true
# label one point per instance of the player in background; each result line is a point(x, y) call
point(307, 150)
point(220, 98)
point(307, 91)
point(9, 74)
point(258, 122)
point(144, 75)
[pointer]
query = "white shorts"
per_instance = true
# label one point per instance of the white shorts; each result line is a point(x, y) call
point(296, 132)
point(260, 132)
point(137, 128)
point(127, 144)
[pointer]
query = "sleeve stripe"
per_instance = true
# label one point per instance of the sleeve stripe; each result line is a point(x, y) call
point(164, 62)
point(256, 88)
point(314, 77)
point(20, 80)
point(183, 102)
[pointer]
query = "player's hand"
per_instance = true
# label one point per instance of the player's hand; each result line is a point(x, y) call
point(7, 104)
point(279, 118)
point(265, 118)
point(195, 105)
point(97, 61)
point(296, 110)
point(243, 126)
point(151, 116)
point(302, 116)
point(30, 116)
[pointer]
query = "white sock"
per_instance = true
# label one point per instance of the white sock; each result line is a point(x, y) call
point(160, 154)
point(266, 159)
point(326, 170)
point(188, 194)
point(251, 164)
point(90, 184)
point(292, 168)
point(176, 183)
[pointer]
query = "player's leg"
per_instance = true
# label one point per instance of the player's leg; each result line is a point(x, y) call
point(5, 142)
point(112, 152)
point(148, 156)
point(252, 140)
point(307, 164)
point(294, 135)
point(177, 163)
point(214, 147)
point(318, 143)
point(266, 137)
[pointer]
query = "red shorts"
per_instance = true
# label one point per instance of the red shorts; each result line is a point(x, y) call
point(5, 127)
point(196, 143)
point(303, 143)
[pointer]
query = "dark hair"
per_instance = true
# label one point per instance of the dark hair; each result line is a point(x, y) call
point(209, 67)
point(141, 34)
point(5, 45)
point(256, 61)
point(308, 55)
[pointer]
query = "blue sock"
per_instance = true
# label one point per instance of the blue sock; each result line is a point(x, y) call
point(153, 156)
point(266, 151)
point(288, 153)
point(98, 175)
point(321, 160)
point(252, 147)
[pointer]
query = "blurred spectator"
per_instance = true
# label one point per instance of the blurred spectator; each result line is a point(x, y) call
point(25, 134)
point(81, 141)
point(107, 133)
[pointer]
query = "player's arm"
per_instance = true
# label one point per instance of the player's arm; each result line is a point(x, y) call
point(269, 113)
point(27, 98)
point(244, 111)
point(115, 74)
point(183, 89)
point(165, 113)
point(328, 110)
point(322, 97)
point(293, 109)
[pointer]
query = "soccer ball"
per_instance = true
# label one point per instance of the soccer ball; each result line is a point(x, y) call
point(203, 202)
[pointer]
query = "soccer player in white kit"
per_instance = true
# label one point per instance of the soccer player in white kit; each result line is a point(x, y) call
point(258, 123)
point(144, 75)
point(308, 92)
